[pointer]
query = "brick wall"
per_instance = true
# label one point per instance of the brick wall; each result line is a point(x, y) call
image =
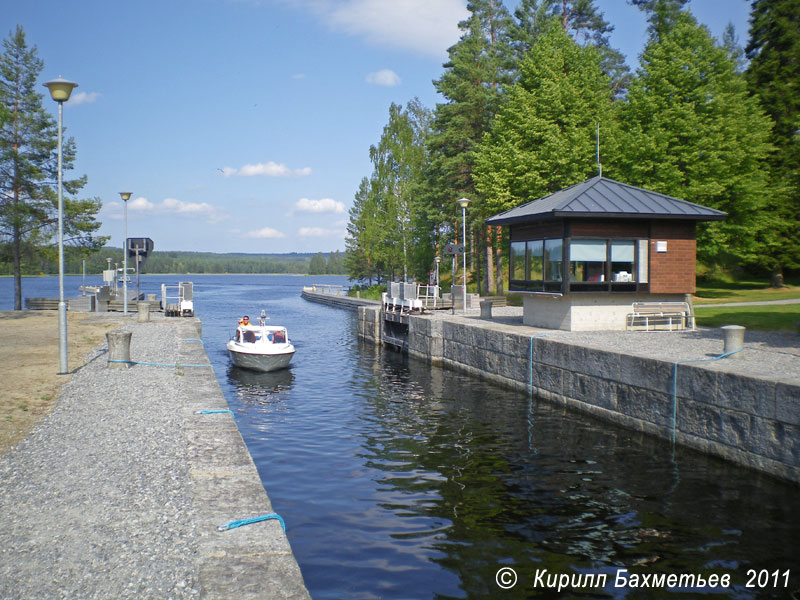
point(673, 271)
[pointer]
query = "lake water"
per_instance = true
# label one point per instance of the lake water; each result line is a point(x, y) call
point(404, 481)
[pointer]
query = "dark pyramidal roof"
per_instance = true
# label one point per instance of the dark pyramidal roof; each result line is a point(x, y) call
point(603, 197)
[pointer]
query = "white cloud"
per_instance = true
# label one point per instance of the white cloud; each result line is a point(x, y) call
point(299, 76)
point(325, 205)
point(425, 27)
point(267, 233)
point(312, 232)
point(83, 98)
point(141, 203)
point(168, 206)
point(385, 77)
point(268, 169)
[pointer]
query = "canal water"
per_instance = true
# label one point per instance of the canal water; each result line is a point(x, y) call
point(400, 480)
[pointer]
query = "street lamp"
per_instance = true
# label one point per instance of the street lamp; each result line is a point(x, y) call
point(125, 197)
point(464, 202)
point(60, 90)
point(437, 259)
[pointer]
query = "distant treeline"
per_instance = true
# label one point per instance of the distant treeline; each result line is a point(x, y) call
point(191, 262)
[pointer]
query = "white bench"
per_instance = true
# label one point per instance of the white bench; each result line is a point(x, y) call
point(661, 313)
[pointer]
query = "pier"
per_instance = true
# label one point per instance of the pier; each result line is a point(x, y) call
point(121, 490)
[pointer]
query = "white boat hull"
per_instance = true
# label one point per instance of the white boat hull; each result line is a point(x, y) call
point(260, 362)
point(261, 347)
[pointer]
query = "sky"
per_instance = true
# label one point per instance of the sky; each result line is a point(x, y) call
point(245, 125)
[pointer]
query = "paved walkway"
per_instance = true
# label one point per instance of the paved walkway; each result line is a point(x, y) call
point(760, 303)
point(118, 493)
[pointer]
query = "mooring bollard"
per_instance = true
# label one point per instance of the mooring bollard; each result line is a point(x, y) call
point(733, 338)
point(143, 309)
point(486, 309)
point(119, 349)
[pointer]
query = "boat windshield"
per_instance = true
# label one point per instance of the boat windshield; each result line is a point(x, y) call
point(253, 335)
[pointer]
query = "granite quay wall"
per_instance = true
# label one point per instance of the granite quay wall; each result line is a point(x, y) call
point(337, 301)
point(753, 421)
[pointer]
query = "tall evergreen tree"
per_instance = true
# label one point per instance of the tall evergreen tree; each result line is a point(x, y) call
point(661, 14)
point(692, 131)
point(28, 167)
point(773, 76)
point(581, 19)
point(476, 75)
point(544, 136)
point(730, 41)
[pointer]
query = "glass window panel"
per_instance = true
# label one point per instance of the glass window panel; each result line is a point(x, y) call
point(588, 250)
point(622, 251)
point(518, 260)
point(643, 261)
point(622, 261)
point(535, 257)
point(552, 260)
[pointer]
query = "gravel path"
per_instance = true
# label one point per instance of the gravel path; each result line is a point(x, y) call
point(767, 355)
point(95, 502)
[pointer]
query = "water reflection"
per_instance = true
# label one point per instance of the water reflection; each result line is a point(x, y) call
point(483, 477)
point(401, 480)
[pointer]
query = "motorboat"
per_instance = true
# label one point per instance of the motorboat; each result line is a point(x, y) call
point(261, 347)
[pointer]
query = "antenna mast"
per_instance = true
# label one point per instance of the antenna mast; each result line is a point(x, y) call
point(599, 164)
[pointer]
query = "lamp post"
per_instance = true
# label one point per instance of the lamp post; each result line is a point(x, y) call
point(125, 197)
point(60, 90)
point(464, 202)
point(437, 259)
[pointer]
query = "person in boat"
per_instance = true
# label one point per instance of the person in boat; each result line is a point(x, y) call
point(246, 334)
point(278, 338)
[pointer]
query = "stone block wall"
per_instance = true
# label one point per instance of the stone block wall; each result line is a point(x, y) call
point(750, 421)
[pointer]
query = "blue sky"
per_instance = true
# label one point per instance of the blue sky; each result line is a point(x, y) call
point(245, 125)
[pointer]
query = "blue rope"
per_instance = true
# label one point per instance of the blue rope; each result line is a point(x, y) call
point(675, 385)
point(235, 524)
point(214, 412)
point(193, 340)
point(151, 364)
point(530, 364)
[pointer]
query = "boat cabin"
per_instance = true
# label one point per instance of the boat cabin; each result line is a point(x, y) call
point(581, 257)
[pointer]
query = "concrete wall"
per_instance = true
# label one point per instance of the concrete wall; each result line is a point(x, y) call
point(585, 311)
point(749, 421)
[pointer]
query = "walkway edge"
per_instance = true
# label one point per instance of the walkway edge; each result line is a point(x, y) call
point(255, 561)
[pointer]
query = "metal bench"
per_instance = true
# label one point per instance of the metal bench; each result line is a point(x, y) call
point(660, 313)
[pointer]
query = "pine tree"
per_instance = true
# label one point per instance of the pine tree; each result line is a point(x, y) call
point(544, 136)
point(479, 69)
point(692, 131)
point(582, 20)
point(773, 76)
point(28, 167)
point(662, 15)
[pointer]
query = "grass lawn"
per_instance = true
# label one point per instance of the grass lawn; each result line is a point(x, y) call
point(782, 317)
point(743, 291)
